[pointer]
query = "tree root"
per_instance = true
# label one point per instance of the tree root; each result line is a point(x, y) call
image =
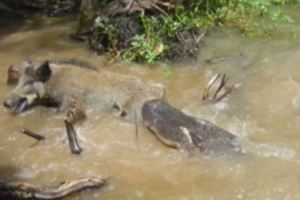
point(131, 6)
point(18, 190)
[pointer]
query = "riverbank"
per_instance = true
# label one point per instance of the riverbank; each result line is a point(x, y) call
point(155, 30)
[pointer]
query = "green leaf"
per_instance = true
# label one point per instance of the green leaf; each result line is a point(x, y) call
point(166, 71)
point(140, 193)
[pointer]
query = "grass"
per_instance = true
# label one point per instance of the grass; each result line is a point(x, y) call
point(252, 17)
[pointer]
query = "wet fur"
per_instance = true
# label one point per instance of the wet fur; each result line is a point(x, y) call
point(96, 90)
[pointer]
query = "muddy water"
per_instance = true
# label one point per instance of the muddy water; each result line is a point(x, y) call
point(264, 112)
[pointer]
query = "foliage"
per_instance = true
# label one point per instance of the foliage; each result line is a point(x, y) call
point(252, 17)
point(144, 45)
point(103, 2)
point(160, 30)
point(151, 45)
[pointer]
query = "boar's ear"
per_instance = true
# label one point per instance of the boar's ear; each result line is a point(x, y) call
point(27, 68)
point(43, 72)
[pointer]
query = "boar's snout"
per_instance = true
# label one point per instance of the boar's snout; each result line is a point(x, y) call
point(17, 104)
point(8, 104)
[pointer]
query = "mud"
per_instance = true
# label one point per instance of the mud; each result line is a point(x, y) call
point(264, 110)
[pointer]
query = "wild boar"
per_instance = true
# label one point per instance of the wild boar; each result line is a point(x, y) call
point(67, 85)
point(75, 88)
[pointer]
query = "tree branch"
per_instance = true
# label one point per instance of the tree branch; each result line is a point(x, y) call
point(18, 190)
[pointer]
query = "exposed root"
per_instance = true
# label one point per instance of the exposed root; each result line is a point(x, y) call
point(132, 6)
point(198, 37)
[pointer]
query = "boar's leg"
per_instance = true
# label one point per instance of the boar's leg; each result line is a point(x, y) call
point(12, 76)
point(74, 114)
point(72, 136)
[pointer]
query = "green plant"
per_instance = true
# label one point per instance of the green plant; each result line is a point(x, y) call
point(143, 49)
point(166, 71)
point(140, 193)
point(152, 44)
point(163, 34)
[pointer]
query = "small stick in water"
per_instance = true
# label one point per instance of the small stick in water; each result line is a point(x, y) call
point(13, 76)
point(136, 130)
point(33, 135)
point(73, 142)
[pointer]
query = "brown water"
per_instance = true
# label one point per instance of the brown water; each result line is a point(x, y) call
point(264, 112)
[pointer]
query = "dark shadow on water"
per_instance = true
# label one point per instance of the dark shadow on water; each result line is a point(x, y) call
point(8, 173)
point(9, 26)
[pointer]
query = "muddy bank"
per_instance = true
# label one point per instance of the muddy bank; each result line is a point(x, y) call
point(142, 31)
point(139, 31)
point(151, 30)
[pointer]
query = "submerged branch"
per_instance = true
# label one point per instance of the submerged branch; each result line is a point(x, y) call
point(217, 88)
point(33, 135)
point(18, 190)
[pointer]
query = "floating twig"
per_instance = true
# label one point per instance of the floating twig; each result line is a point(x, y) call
point(136, 130)
point(33, 135)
